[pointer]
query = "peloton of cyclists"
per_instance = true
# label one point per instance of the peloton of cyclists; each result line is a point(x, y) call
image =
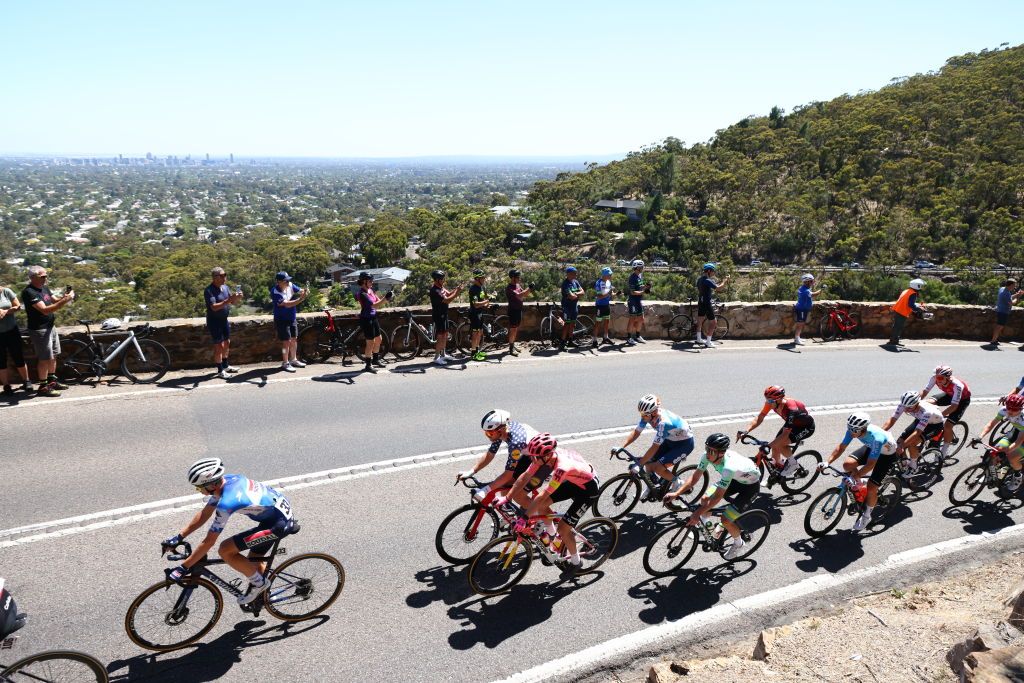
point(673, 441)
point(928, 421)
point(956, 398)
point(1012, 443)
point(876, 456)
point(797, 426)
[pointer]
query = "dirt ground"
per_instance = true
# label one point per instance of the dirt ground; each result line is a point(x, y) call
point(889, 637)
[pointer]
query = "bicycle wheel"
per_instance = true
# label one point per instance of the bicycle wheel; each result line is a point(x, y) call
point(617, 496)
point(500, 565)
point(147, 367)
point(680, 327)
point(357, 346)
point(405, 342)
point(806, 474)
point(829, 330)
point(596, 540)
point(304, 586)
point(1002, 428)
point(583, 331)
point(315, 344)
point(929, 465)
point(464, 532)
point(463, 335)
point(825, 512)
point(496, 334)
point(75, 361)
point(960, 432)
point(451, 347)
point(967, 485)
point(695, 493)
point(670, 550)
point(167, 616)
point(889, 493)
point(721, 328)
point(545, 331)
point(57, 666)
point(754, 527)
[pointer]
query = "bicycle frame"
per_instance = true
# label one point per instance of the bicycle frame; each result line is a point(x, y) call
point(116, 351)
point(528, 536)
point(709, 541)
point(643, 474)
point(422, 331)
point(202, 570)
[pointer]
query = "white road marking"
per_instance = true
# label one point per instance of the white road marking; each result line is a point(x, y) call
point(638, 642)
point(33, 533)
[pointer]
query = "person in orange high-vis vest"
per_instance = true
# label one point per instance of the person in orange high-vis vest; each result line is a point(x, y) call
point(907, 305)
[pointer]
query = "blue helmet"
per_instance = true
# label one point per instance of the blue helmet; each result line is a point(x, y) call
point(606, 271)
point(709, 266)
point(570, 269)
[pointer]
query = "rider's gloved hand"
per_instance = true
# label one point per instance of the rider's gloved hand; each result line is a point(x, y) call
point(172, 541)
point(821, 466)
point(177, 574)
point(520, 526)
point(464, 475)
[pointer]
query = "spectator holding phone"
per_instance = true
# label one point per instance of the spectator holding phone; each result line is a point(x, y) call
point(515, 293)
point(637, 289)
point(603, 292)
point(286, 297)
point(10, 341)
point(804, 303)
point(368, 322)
point(572, 290)
point(219, 299)
point(41, 306)
point(440, 298)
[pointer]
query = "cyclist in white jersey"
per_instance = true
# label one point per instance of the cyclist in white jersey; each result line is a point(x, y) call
point(673, 439)
point(928, 421)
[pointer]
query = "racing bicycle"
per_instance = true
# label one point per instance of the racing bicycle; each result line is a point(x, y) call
point(990, 473)
point(620, 494)
point(840, 321)
point(805, 475)
point(409, 338)
point(464, 532)
point(551, 328)
point(681, 326)
point(324, 339)
point(495, 331)
point(143, 360)
point(825, 511)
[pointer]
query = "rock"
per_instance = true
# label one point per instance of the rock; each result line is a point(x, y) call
point(1015, 601)
point(766, 641)
point(987, 637)
point(661, 673)
point(1004, 665)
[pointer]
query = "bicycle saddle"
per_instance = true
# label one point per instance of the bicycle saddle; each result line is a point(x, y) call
point(85, 322)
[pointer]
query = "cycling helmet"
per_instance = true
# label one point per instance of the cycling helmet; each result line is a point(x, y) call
point(648, 403)
point(917, 283)
point(1015, 402)
point(910, 399)
point(606, 271)
point(205, 471)
point(110, 324)
point(495, 419)
point(637, 263)
point(570, 269)
point(364, 277)
point(806, 277)
point(709, 266)
point(478, 273)
point(515, 272)
point(437, 275)
point(858, 422)
point(774, 392)
point(943, 371)
point(717, 441)
point(541, 446)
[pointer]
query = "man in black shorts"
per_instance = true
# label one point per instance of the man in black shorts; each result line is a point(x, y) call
point(478, 302)
point(514, 293)
point(706, 287)
point(440, 297)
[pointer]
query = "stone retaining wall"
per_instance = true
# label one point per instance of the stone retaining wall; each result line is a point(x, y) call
point(253, 340)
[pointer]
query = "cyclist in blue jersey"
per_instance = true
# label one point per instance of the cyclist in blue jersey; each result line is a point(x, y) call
point(228, 494)
point(877, 456)
point(637, 289)
point(673, 440)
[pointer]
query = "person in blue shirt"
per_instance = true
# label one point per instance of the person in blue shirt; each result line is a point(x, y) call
point(1007, 297)
point(572, 290)
point(804, 303)
point(219, 300)
point(706, 322)
point(637, 289)
point(286, 296)
point(603, 292)
point(877, 456)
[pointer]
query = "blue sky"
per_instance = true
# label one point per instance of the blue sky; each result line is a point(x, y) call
point(336, 78)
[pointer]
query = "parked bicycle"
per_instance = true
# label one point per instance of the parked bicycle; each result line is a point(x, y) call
point(674, 545)
point(681, 326)
point(169, 615)
point(503, 562)
point(620, 494)
point(805, 475)
point(142, 360)
point(826, 511)
point(324, 338)
point(838, 322)
point(467, 529)
point(54, 665)
point(495, 331)
point(409, 338)
point(551, 328)
point(990, 473)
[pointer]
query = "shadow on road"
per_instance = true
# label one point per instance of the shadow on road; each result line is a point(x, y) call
point(256, 377)
point(187, 383)
point(892, 348)
point(443, 584)
point(637, 529)
point(983, 515)
point(345, 376)
point(831, 553)
point(691, 591)
point(784, 501)
point(421, 368)
point(788, 346)
point(207, 661)
point(687, 346)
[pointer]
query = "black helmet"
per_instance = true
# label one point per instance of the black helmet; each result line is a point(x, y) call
point(437, 275)
point(478, 273)
point(717, 441)
point(364, 276)
point(515, 272)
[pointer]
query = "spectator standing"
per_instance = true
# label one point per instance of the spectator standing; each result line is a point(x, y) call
point(603, 292)
point(907, 305)
point(804, 303)
point(478, 301)
point(635, 303)
point(571, 293)
point(286, 297)
point(219, 299)
point(41, 307)
point(10, 341)
point(440, 298)
point(515, 293)
point(368, 322)
point(706, 322)
point(1007, 297)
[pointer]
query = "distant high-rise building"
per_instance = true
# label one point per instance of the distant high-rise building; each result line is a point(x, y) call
point(232, 156)
point(207, 156)
point(149, 156)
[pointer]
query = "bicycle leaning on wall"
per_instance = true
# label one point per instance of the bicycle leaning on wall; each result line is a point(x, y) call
point(143, 360)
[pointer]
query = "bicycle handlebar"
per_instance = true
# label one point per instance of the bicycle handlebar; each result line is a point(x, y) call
point(174, 555)
point(470, 482)
point(622, 454)
point(751, 440)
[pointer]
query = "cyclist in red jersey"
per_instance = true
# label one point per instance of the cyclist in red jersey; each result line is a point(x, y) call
point(797, 426)
point(956, 398)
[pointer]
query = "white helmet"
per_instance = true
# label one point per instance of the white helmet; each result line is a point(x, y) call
point(858, 422)
point(648, 403)
point(637, 263)
point(205, 471)
point(910, 399)
point(806, 277)
point(495, 419)
point(110, 324)
point(917, 283)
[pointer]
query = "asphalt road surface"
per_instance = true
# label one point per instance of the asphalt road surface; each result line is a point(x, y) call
point(404, 614)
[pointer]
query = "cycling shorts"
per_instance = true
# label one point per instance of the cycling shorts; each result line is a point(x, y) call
point(604, 312)
point(582, 498)
point(1002, 318)
point(370, 327)
point(476, 320)
point(705, 309)
point(515, 317)
point(882, 467)
point(266, 532)
point(219, 329)
point(957, 414)
point(740, 496)
point(929, 431)
point(286, 329)
point(800, 316)
point(440, 323)
point(635, 306)
point(671, 452)
point(797, 434)
point(570, 312)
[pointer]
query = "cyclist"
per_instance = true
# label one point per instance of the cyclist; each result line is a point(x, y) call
point(706, 287)
point(927, 423)
point(797, 426)
point(440, 297)
point(877, 456)
point(673, 441)
point(478, 301)
point(572, 478)
point(739, 482)
point(499, 427)
point(514, 293)
point(571, 293)
point(603, 292)
point(230, 493)
point(1012, 443)
point(635, 303)
point(804, 303)
point(957, 398)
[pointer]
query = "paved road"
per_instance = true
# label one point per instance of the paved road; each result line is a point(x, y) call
point(404, 615)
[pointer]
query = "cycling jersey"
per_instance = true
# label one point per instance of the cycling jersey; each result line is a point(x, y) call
point(1016, 420)
point(255, 500)
point(876, 439)
point(732, 467)
point(792, 411)
point(567, 467)
point(603, 290)
point(670, 427)
point(928, 415)
point(517, 436)
point(636, 284)
point(571, 288)
point(955, 388)
point(705, 288)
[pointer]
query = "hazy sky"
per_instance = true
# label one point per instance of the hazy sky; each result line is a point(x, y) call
point(397, 78)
